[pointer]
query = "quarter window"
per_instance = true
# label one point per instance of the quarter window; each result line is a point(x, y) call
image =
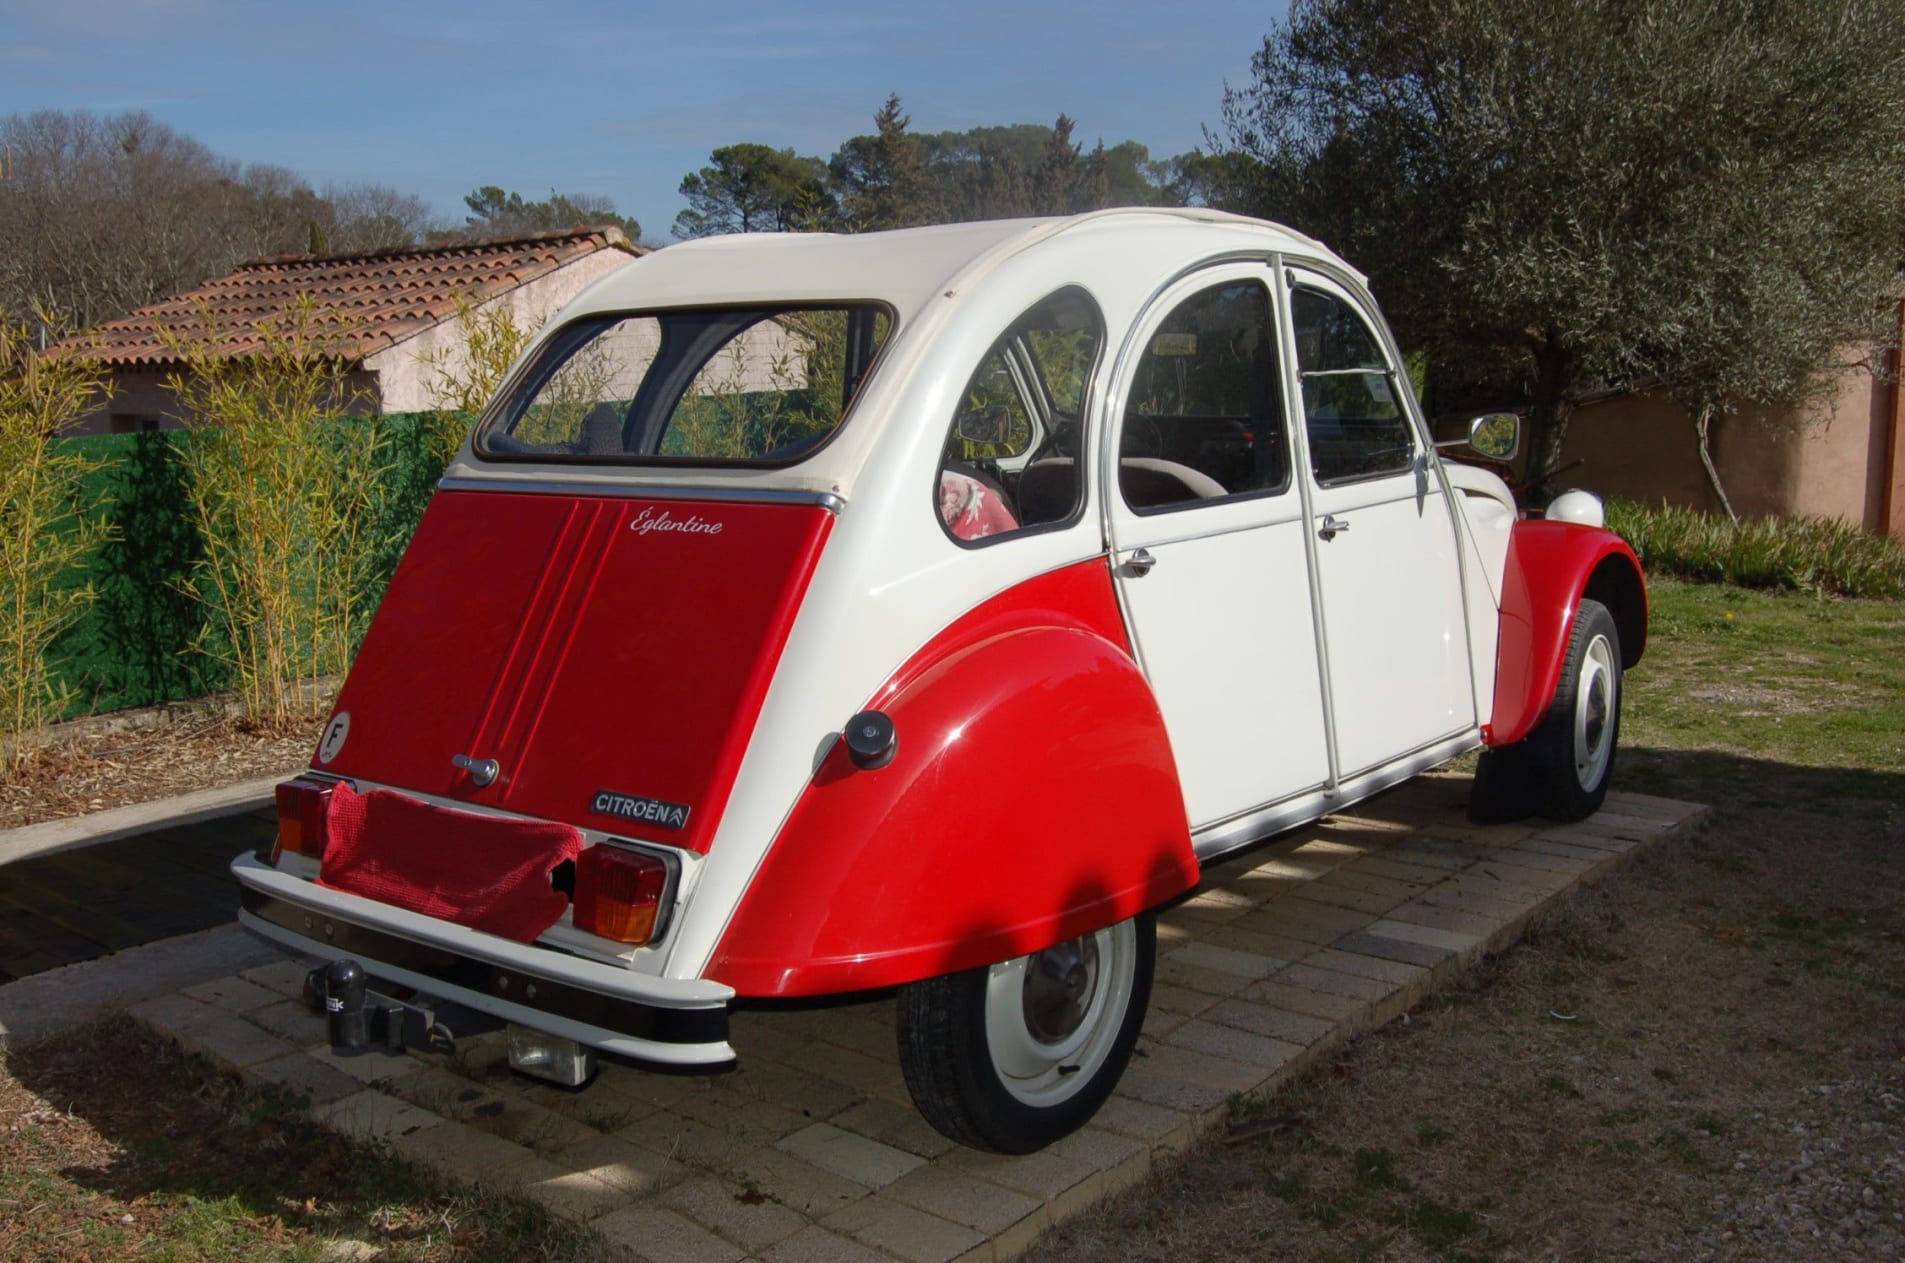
point(1356, 424)
point(1203, 421)
point(1010, 461)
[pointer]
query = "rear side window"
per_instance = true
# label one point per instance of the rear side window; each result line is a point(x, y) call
point(752, 386)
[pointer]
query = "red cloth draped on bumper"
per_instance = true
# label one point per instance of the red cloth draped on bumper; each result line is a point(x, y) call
point(490, 873)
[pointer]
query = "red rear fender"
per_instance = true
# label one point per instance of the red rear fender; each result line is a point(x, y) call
point(1032, 798)
point(1550, 567)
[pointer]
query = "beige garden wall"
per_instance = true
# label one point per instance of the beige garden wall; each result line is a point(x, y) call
point(1834, 460)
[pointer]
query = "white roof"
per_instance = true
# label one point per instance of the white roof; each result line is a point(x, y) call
point(907, 269)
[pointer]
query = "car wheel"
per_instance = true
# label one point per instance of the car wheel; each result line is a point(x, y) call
point(1010, 1057)
point(1561, 770)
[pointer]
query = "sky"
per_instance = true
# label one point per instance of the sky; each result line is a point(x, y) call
point(615, 99)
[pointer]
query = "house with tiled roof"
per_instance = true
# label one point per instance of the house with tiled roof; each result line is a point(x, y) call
point(393, 314)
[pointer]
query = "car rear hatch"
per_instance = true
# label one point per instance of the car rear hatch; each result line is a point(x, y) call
point(608, 653)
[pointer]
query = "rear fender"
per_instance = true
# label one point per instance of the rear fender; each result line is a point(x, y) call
point(1550, 567)
point(1032, 798)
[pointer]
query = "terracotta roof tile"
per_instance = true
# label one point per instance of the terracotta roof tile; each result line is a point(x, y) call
point(371, 300)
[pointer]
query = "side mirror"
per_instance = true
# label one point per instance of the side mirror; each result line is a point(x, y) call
point(1496, 435)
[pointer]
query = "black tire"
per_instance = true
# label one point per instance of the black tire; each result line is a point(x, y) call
point(1561, 770)
point(1060, 1031)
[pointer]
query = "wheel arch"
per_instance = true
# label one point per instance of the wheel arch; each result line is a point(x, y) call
point(1032, 798)
point(1551, 566)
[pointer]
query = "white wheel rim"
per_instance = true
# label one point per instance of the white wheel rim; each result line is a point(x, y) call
point(1046, 1066)
point(1596, 703)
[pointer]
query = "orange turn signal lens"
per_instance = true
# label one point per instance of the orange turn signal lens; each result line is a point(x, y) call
point(304, 808)
point(618, 892)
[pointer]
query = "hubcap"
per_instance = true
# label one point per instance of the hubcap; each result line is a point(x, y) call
point(1058, 987)
point(1594, 702)
point(1052, 1017)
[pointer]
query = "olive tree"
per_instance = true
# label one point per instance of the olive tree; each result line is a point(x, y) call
point(1705, 195)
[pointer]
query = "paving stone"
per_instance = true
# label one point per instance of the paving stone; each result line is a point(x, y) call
point(1401, 870)
point(1367, 902)
point(1158, 1024)
point(737, 1211)
point(1454, 940)
point(794, 1182)
point(1581, 846)
point(1541, 881)
point(1282, 993)
point(1059, 1167)
point(817, 1245)
point(1185, 1098)
point(289, 1020)
point(286, 977)
point(496, 1109)
point(574, 1195)
point(684, 1139)
point(232, 994)
point(460, 1151)
point(741, 1115)
point(893, 1124)
point(810, 1096)
point(861, 1160)
point(305, 1077)
point(1257, 1051)
point(1169, 998)
point(1378, 968)
point(1245, 937)
point(372, 1115)
point(1263, 1019)
point(1247, 965)
point(903, 1231)
point(1364, 943)
point(658, 1235)
point(1314, 979)
point(850, 1069)
point(370, 1067)
point(1212, 982)
point(1215, 896)
point(1359, 877)
point(1548, 863)
point(620, 1164)
point(170, 1015)
point(1440, 918)
point(962, 1199)
point(1141, 1120)
point(1203, 1070)
point(1459, 897)
point(599, 1106)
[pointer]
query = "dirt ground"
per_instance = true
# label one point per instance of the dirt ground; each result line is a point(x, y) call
point(93, 770)
point(1704, 1058)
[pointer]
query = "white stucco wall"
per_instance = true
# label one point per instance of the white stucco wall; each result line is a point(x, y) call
point(405, 371)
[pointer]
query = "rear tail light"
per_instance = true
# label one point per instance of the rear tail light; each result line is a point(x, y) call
point(304, 808)
point(618, 892)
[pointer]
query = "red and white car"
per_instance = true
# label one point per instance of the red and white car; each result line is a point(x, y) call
point(918, 611)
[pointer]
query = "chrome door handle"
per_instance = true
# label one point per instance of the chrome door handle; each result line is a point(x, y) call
point(1332, 526)
point(1139, 564)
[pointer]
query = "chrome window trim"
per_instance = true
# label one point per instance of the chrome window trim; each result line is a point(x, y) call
point(648, 491)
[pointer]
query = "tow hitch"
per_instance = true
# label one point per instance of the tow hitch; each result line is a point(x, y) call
point(362, 1020)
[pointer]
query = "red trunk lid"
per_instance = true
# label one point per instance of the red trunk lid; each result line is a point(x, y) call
point(609, 654)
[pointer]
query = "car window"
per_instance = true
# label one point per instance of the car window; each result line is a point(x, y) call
point(752, 385)
point(1203, 420)
point(1355, 422)
point(1010, 460)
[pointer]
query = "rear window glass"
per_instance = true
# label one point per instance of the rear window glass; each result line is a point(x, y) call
point(753, 385)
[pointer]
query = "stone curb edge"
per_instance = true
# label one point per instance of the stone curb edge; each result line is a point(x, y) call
point(53, 836)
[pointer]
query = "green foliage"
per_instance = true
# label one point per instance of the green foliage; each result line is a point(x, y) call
point(285, 501)
point(496, 212)
point(754, 188)
point(43, 536)
point(1822, 554)
point(1556, 195)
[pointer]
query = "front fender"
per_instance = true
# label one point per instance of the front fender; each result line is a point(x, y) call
point(1550, 567)
point(1032, 798)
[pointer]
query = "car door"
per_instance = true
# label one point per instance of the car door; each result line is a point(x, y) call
point(1206, 520)
point(1388, 570)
